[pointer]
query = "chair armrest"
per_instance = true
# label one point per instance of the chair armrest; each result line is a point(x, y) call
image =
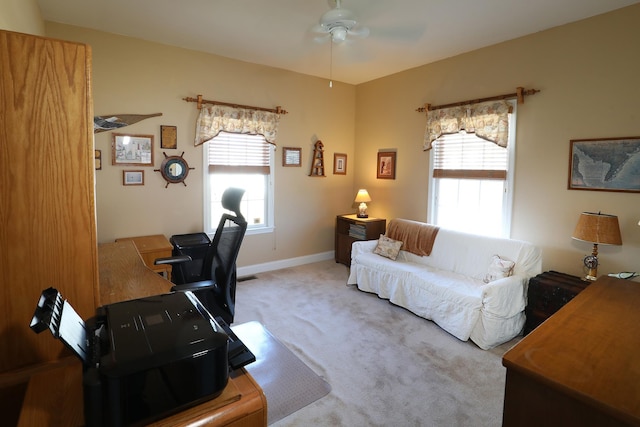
point(194, 286)
point(173, 259)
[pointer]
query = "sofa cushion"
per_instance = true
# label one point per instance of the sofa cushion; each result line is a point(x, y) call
point(498, 269)
point(387, 247)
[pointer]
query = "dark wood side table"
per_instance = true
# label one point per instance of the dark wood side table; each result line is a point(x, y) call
point(549, 292)
point(350, 228)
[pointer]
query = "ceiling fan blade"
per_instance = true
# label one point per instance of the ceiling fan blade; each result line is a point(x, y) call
point(359, 31)
point(318, 29)
point(322, 38)
point(408, 33)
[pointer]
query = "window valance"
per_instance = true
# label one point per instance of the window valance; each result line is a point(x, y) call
point(488, 120)
point(214, 119)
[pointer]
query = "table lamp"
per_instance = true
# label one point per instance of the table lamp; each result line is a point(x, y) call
point(362, 197)
point(596, 228)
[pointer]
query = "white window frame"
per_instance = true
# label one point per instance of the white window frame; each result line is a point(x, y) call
point(507, 201)
point(269, 225)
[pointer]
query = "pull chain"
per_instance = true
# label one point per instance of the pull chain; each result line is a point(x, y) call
point(331, 64)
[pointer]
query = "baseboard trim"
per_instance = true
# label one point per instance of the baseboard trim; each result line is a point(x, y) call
point(284, 263)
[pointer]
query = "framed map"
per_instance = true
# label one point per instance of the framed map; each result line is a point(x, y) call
point(605, 164)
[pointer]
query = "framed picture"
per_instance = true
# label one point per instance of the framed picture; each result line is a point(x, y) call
point(132, 149)
point(386, 165)
point(339, 164)
point(169, 137)
point(605, 164)
point(133, 177)
point(291, 156)
point(97, 157)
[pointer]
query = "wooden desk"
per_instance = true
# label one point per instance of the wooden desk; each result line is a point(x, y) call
point(241, 404)
point(123, 276)
point(152, 248)
point(581, 367)
point(60, 405)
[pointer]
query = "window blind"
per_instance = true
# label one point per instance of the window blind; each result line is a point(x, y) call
point(464, 155)
point(239, 153)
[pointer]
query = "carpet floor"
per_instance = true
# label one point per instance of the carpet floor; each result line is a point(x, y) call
point(386, 366)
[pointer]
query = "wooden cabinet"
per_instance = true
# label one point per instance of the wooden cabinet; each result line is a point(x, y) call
point(47, 206)
point(581, 366)
point(350, 228)
point(549, 292)
point(151, 248)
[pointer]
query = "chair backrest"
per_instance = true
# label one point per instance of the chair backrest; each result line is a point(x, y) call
point(223, 251)
point(221, 263)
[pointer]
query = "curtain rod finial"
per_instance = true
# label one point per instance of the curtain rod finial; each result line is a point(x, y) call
point(423, 108)
point(521, 92)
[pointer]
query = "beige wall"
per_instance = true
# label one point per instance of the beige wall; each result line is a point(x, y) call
point(138, 77)
point(587, 72)
point(22, 16)
point(588, 76)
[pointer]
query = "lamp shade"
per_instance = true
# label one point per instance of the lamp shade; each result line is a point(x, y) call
point(598, 228)
point(362, 196)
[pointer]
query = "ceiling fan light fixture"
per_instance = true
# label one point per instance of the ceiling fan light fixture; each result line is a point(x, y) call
point(339, 24)
point(338, 34)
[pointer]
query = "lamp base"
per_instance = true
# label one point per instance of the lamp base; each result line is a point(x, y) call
point(362, 210)
point(591, 263)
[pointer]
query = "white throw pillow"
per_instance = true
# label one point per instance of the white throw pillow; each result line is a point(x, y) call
point(387, 247)
point(499, 268)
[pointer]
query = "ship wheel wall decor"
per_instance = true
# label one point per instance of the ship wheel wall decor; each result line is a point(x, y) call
point(317, 163)
point(174, 169)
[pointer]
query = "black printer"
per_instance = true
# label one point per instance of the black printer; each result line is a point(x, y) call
point(146, 358)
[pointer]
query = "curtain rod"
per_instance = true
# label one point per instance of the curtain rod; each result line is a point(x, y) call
point(520, 94)
point(200, 101)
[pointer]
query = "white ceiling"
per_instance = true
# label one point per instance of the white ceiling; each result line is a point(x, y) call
point(404, 33)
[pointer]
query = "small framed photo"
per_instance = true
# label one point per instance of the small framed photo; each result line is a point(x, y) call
point(386, 165)
point(339, 164)
point(605, 164)
point(291, 156)
point(132, 149)
point(97, 157)
point(133, 177)
point(169, 137)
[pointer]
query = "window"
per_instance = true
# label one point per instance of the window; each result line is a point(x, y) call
point(244, 161)
point(470, 183)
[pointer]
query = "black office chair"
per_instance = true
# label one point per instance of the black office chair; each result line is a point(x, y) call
point(216, 285)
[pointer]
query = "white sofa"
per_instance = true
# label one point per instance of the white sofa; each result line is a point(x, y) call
point(448, 286)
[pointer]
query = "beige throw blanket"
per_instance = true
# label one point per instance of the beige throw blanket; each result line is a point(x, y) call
point(416, 237)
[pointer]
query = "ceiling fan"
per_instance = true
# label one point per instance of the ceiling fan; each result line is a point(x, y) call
point(338, 25)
